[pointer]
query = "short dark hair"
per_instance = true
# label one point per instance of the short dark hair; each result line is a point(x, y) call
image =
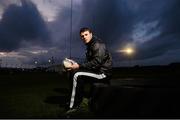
point(85, 29)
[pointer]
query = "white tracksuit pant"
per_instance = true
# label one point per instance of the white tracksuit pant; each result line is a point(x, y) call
point(76, 76)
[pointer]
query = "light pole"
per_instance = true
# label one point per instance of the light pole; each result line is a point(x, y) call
point(0, 62)
point(129, 52)
point(36, 63)
point(49, 61)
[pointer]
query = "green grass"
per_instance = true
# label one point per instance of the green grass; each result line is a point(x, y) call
point(25, 95)
point(43, 94)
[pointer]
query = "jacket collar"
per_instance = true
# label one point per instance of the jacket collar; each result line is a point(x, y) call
point(90, 42)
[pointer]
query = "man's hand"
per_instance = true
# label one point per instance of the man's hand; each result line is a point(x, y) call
point(75, 66)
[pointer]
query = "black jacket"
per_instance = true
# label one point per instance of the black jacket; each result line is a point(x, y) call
point(98, 58)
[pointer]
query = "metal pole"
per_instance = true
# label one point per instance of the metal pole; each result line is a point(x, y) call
point(70, 30)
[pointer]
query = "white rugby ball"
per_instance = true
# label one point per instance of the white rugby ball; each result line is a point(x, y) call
point(67, 63)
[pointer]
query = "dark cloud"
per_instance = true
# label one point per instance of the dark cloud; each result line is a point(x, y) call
point(109, 19)
point(21, 23)
point(61, 29)
point(169, 27)
point(170, 19)
point(114, 22)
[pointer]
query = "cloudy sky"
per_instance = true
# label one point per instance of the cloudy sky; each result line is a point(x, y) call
point(37, 30)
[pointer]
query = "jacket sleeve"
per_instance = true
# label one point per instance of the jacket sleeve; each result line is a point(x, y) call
point(97, 57)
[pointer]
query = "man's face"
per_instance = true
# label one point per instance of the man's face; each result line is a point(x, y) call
point(86, 36)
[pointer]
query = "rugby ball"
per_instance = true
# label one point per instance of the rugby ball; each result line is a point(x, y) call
point(67, 63)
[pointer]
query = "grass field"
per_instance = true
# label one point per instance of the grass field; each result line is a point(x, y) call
point(38, 94)
point(33, 95)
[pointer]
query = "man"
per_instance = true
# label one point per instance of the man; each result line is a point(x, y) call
point(97, 67)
